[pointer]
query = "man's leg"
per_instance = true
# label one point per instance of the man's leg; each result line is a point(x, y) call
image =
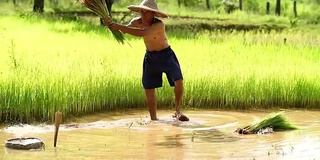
point(175, 78)
point(178, 93)
point(151, 103)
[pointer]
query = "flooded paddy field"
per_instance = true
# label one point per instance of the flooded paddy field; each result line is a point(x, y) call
point(131, 135)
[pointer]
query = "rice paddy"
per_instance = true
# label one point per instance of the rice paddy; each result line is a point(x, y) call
point(77, 68)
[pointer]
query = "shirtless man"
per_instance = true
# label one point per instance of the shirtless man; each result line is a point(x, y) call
point(159, 56)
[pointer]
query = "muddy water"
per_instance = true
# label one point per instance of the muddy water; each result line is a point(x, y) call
point(130, 135)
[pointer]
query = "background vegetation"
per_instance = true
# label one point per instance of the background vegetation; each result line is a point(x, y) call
point(68, 62)
point(252, 16)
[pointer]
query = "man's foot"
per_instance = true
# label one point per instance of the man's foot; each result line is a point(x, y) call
point(154, 119)
point(180, 116)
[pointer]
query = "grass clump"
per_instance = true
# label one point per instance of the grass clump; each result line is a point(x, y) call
point(275, 121)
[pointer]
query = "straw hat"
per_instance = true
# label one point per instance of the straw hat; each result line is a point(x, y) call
point(149, 5)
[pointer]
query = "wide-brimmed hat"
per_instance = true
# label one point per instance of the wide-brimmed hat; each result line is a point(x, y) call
point(149, 5)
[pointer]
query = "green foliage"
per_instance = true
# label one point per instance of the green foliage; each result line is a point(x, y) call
point(294, 22)
point(277, 121)
point(229, 6)
point(191, 3)
point(252, 6)
point(310, 17)
point(308, 10)
point(78, 69)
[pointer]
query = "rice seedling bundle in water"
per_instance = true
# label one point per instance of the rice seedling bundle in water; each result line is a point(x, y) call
point(100, 8)
point(268, 124)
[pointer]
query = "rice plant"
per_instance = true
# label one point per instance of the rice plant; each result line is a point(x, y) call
point(78, 70)
point(100, 8)
point(273, 122)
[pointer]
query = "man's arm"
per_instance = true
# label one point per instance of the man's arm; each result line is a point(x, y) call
point(133, 31)
point(134, 22)
point(131, 28)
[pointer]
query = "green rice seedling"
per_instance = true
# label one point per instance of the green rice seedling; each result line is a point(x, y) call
point(100, 8)
point(274, 121)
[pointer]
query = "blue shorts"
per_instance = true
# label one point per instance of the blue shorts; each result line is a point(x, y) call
point(157, 62)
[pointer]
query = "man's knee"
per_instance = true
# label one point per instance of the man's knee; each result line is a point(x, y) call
point(150, 94)
point(178, 83)
point(178, 87)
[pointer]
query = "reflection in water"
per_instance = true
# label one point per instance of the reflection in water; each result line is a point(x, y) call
point(209, 135)
point(173, 141)
point(198, 136)
point(214, 136)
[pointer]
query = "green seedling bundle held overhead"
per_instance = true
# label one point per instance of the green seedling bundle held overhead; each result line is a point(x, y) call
point(100, 8)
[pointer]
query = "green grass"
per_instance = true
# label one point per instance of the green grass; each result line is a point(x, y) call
point(277, 121)
point(78, 68)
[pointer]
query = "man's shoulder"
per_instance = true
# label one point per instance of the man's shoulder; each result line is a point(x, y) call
point(135, 22)
point(158, 23)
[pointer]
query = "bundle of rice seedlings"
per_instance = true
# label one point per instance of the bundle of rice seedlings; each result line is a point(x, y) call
point(270, 123)
point(100, 8)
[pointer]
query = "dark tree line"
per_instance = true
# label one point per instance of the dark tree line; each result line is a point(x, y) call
point(192, 3)
point(38, 5)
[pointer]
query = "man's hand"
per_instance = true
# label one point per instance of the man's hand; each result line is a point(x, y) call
point(106, 21)
point(114, 26)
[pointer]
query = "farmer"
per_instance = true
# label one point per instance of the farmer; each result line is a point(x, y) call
point(159, 56)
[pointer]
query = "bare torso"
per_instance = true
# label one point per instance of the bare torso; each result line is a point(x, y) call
point(156, 38)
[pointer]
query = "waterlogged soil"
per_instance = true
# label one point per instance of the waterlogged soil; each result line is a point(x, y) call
point(131, 135)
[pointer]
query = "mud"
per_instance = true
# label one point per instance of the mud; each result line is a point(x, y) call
point(208, 135)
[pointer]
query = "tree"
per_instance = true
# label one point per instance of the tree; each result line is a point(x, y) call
point(15, 2)
point(278, 7)
point(208, 4)
point(38, 6)
point(179, 3)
